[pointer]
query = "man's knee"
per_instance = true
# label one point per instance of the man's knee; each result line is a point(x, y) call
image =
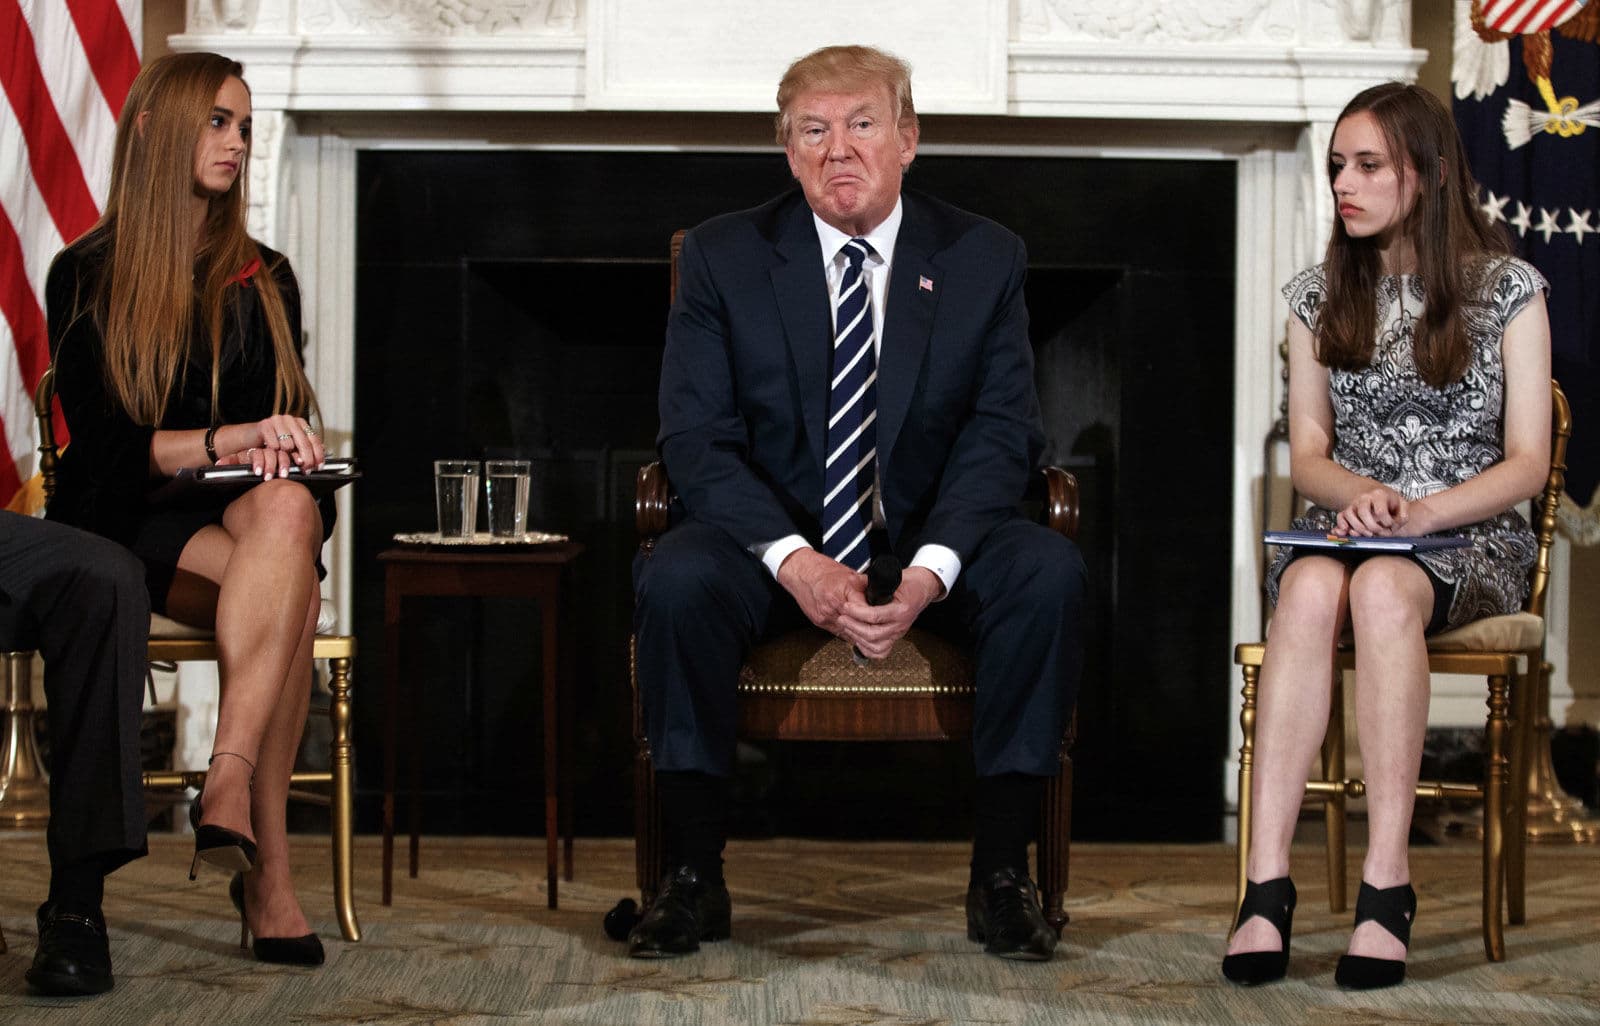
point(687, 577)
point(109, 572)
point(1055, 577)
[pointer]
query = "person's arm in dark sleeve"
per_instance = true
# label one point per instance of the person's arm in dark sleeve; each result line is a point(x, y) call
point(113, 450)
point(1000, 444)
point(704, 439)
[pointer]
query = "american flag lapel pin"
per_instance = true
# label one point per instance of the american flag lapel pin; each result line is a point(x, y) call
point(924, 283)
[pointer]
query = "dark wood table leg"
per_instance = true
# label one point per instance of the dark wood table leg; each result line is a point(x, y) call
point(552, 730)
point(414, 767)
point(568, 713)
point(391, 673)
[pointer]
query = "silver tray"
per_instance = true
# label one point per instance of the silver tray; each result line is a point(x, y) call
point(479, 538)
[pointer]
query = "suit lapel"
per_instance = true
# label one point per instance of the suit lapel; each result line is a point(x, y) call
point(914, 289)
point(801, 292)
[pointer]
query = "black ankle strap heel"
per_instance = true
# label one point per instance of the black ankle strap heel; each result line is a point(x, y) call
point(1272, 900)
point(225, 849)
point(1394, 909)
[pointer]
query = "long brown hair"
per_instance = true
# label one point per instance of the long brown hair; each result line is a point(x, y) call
point(155, 269)
point(1445, 227)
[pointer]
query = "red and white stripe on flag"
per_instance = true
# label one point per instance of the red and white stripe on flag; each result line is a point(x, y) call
point(65, 69)
point(1525, 16)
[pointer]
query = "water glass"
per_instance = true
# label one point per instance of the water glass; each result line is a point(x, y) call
point(508, 498)
point(455, 487)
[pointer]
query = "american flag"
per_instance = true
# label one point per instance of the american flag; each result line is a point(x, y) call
point(1518, 16)
point(65, 67)
point(1527, 110)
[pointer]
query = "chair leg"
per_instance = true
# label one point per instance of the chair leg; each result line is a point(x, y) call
point(1524, 689)
point(1333, 809)
point(1247, 754)
point(1055, 844)
point(343, 809)
point(1494, 818)
point(647, 853)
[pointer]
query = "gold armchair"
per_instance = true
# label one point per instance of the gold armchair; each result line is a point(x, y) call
point(1507, 650)
point(173, 642)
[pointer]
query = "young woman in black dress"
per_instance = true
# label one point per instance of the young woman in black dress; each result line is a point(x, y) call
point(1419, 403)
point(176, 340)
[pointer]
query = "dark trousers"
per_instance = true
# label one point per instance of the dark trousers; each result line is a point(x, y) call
point(81, 601)
point(701, 602)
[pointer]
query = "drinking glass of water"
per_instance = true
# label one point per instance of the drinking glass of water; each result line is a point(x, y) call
point(455, 487)
point(508, 498)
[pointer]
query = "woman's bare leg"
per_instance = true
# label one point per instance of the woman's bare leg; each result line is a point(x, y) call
point(1291, 719)
point(256, 575)
point(1391, 601)
point(274, 910)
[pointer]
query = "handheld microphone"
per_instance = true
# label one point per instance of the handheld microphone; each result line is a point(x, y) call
point(883, 580)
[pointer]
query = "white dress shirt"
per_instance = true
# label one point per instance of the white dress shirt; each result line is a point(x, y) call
point(941, 560)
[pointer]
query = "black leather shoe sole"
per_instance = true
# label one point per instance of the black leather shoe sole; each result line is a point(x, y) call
point(53, 981)
point(1034, 950)
point(642, 945)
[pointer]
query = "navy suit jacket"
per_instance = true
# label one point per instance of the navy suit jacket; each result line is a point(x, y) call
point(744, 379)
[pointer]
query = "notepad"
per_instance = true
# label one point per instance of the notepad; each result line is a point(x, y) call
point(1393, 543)
point(336, 472)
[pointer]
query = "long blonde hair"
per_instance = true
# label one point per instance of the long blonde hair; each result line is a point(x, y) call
point(155, 270)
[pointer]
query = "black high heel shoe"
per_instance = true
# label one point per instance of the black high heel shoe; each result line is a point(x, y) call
point(228, 850)
point(305, 950)
point(1272, 900)
point(1394, 909)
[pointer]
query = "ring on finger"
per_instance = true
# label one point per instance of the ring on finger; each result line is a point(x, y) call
point(285, 437)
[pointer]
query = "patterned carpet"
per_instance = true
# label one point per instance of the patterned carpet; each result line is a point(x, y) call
point(825, 934)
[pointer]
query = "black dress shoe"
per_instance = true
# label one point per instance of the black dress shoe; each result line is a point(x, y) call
point(74, 955)
point(688, 910)
point(1003, 913)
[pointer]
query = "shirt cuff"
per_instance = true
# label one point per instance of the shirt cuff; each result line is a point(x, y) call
point(773, 553)
point(944, 563)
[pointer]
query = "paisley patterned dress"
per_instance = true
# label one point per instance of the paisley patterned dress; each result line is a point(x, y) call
point(1391, 426)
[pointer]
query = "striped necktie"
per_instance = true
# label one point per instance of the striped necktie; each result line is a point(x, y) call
point(848, 474)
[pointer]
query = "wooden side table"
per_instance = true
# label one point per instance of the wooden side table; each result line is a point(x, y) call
point(502, 571)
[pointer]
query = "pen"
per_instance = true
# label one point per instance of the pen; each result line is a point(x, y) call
point(1339, 540)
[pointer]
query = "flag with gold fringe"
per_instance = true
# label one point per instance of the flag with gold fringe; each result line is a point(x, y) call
point(1526, 77)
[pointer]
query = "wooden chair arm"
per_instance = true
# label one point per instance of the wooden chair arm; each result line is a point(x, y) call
point(1056, 488)
point(43, 408)
point(653, 496)
point(1060, 495)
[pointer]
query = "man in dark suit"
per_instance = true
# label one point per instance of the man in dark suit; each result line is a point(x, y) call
point(848, 372)
point(81, 601)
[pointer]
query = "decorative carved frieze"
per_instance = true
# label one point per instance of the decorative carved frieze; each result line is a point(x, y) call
point(1165, 23)
point(441, 18)
point(266, 181)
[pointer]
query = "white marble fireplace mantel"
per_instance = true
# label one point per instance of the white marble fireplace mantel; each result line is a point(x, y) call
point(1256, 82)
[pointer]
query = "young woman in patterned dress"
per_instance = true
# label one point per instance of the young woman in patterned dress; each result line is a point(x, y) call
point(1419, 403)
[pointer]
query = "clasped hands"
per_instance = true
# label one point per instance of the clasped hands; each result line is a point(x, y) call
point(270, 446)
point(1380, 512)
point(834, 597)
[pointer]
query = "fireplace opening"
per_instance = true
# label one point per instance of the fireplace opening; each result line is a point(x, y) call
point(513, 303)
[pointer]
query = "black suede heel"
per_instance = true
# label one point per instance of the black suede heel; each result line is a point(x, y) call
point(225, 849)
point(1272, 900)
point(305, 950)
point(1394, 909)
